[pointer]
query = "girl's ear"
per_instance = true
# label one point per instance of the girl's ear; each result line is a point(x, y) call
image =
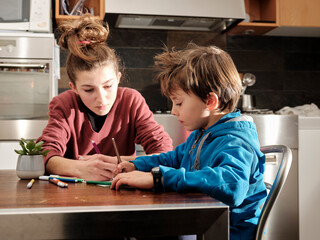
point(73, 87)
point(212, 101)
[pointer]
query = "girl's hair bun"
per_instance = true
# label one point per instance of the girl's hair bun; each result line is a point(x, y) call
point(83, 35)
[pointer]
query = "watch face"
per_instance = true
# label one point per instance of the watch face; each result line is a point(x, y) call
point(155, 169)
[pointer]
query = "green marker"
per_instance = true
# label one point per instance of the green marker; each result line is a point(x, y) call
point(99, 183)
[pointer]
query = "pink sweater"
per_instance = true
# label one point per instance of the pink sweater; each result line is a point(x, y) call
point(69, 133)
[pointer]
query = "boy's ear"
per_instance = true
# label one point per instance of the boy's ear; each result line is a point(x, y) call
point(212, 101)
point(119, 77)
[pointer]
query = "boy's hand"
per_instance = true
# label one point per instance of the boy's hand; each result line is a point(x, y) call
point(126, 166)
point(137, 179)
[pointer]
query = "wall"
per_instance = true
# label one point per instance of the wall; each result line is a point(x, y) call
point(287, 68)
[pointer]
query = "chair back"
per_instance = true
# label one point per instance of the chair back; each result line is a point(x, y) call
point(283, 171)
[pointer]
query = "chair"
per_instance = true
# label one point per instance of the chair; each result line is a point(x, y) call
point(277, 185)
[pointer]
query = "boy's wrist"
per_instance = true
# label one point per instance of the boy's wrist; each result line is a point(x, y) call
point(157, 179)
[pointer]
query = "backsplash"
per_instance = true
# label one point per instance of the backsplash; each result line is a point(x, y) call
point(287, 68)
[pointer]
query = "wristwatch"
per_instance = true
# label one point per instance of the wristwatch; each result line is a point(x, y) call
point(157, 176)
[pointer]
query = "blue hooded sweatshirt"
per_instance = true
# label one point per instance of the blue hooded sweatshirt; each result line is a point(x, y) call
point(224, 162)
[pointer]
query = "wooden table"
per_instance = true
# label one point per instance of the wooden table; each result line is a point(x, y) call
point(83, 211)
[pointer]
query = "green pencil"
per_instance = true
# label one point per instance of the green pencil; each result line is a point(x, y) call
point(99, 183)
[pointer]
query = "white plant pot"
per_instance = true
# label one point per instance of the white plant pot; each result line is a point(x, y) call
point(30, 166)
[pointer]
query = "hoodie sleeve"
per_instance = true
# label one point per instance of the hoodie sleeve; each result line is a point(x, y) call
point(172, 158)
point(226, 177)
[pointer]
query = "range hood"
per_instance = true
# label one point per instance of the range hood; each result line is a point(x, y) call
point(191, 15)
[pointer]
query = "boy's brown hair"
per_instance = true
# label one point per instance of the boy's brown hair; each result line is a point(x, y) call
point(200, 70)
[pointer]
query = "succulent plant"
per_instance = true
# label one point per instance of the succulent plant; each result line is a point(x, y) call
point(31, 148)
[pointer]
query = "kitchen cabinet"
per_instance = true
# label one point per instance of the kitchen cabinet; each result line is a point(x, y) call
point(300, 13)
point(262, 17)
point(96, 6)
point(309, 178)
point(280, 18)
point(298, 18)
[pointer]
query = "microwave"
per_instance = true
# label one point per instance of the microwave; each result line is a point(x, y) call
point(25, 15)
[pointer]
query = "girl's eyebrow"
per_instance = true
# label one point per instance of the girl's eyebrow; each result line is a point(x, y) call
point(88, 85)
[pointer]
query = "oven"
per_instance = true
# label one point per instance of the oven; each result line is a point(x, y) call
point(27, 84)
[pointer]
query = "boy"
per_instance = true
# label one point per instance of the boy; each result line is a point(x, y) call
point(221, 157)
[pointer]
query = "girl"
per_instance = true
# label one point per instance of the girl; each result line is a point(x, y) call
point(96, 109)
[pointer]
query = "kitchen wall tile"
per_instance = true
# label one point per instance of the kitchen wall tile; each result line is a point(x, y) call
point(64, 80)
point(137, 58)
point(254, 43)
point(287, 68)
point(138, 78)
point(136, 38)
point(180, 39)
point(301, 80)
point(306, 61)
point(63, 57)
point(267, 80)
point(258, 60)
point(301, 44)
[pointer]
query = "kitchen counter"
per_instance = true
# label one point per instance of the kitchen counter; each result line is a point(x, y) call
point(88, 211)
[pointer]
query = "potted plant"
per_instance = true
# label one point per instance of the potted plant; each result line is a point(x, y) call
point(30, 161)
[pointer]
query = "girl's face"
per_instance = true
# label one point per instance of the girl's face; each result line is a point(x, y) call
point(97, 88)
point(190, 110)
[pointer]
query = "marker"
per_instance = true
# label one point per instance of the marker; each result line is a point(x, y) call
point(29, 185)
point(99, 183)
point(116, 150)
point(65, 179)
point(96, 147)
point(58, 182)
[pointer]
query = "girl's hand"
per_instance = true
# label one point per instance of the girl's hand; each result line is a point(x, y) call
point(98, 167)
point(137, 179)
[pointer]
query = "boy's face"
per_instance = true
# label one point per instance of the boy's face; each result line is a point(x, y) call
point(190, 110)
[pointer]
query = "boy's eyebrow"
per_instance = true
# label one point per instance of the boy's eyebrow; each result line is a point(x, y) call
point(173, 97)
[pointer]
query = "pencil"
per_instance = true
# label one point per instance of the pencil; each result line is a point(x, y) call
point(96, 147)
point(116, 150)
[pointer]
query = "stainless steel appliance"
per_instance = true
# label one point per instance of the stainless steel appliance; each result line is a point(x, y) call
point(172, 126)
point(26, 75)
point(283, 222)
point(206, 15)
point(27, 84)
point(25, 15)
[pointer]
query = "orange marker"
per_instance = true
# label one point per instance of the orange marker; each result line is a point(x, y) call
point(58, 182)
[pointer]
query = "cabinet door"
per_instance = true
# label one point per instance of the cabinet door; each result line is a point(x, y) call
point(300, 13)
point(96, 7)
point(262, 17)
